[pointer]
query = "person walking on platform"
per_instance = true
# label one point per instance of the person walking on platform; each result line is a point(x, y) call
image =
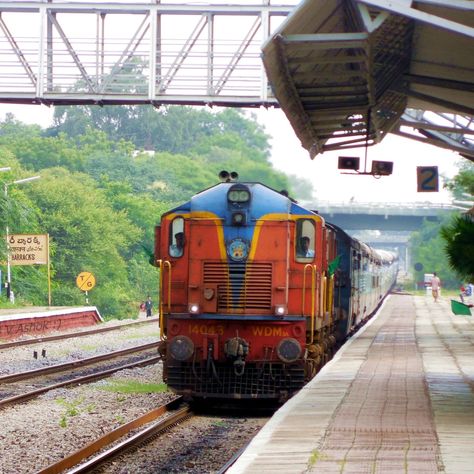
point(148, 306)
point(435, 286)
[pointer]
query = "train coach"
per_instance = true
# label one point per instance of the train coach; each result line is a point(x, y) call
point(256, 291)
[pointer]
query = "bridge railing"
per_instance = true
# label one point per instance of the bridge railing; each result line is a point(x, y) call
point(66, 52)
point(386, 208)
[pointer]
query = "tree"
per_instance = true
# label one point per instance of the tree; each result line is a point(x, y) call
point(428, 248)
point(100, 198)
point(462, 185)
point(86, 233)
point(458, 236)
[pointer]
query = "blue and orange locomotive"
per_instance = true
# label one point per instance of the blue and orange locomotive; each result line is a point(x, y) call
point(256, 292)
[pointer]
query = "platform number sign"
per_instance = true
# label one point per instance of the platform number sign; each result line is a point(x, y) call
point(427, 177)
point(85, 281)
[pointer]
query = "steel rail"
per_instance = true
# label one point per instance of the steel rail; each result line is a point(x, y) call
point(58, 337)
point(74, 365)
point(232, 460)
point(108, 438)
point(78, 380)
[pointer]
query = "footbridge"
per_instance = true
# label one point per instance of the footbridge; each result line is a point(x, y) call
point(345, 73)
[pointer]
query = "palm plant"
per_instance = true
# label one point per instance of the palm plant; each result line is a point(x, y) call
point(459, 240)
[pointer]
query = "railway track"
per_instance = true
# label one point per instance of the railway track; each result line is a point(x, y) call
point(58, 337)
point(181, 412)
point(144, 435)
point(60, 368)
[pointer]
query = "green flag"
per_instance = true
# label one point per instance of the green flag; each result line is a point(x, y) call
point(332, 267)
point(460, 309)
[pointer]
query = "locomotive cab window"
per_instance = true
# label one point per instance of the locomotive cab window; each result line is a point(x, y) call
point(176, 238)
point(305, 240)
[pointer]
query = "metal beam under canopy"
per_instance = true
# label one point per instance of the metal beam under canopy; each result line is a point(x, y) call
point(347, 72)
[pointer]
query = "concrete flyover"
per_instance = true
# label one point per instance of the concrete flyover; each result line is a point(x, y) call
point(380, 216)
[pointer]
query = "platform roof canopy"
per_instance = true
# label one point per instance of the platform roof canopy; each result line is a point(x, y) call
point(347, 72)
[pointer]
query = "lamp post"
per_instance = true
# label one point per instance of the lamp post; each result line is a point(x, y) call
point(4, 168)
point(5, 187)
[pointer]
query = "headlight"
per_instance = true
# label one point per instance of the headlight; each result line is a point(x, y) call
point(181, 348)
point(238, 218)
point(193, 308)
point(280, 310)
point(289, 350)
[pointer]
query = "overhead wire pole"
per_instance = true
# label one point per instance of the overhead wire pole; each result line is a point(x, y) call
point(5, 168)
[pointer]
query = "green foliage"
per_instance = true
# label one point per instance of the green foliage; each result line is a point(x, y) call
point(133, 386)
point(85, 234)
point(462, 185)
point(99, 199)
point(72, 408)
point(458, 236)
point(429, 250)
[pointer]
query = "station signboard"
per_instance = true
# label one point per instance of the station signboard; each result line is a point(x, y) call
point(28, 249)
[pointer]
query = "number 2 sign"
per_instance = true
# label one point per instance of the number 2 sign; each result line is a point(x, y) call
point(427, 177)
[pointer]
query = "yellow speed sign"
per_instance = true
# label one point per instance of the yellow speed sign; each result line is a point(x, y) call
point(85, 281)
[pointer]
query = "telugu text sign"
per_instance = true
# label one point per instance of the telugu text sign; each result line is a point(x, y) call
point(28, 249)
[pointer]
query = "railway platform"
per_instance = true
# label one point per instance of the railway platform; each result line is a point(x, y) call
point(397, 398)
point(18, 322)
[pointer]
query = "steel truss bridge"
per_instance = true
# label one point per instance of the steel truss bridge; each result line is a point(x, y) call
point(60, 53)
point(57, 52)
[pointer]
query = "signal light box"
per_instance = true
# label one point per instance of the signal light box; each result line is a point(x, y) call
point(348, 163)
point(382, 168)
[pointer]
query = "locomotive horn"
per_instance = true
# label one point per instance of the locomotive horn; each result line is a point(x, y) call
point(224, 176)
point(234, 176)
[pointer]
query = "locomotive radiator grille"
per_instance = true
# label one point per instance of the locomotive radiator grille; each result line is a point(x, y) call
point(271, 382)
point(241, 286)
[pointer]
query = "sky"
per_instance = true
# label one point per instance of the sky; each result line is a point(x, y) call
point(287, 154)
point(328, 182)
point(331, 184)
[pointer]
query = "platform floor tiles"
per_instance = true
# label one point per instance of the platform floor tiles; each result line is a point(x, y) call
point(398, 398)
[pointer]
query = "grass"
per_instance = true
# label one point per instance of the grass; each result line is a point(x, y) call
point(133, 386)
point(315, 457)
point(73, 408)
point(88, 347)
point(140, 335)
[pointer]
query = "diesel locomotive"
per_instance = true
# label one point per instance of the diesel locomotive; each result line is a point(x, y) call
point(257, 292)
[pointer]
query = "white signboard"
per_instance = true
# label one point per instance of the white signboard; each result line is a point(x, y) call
point(28, 249)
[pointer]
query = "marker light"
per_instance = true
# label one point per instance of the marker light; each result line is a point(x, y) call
point(193, 308)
